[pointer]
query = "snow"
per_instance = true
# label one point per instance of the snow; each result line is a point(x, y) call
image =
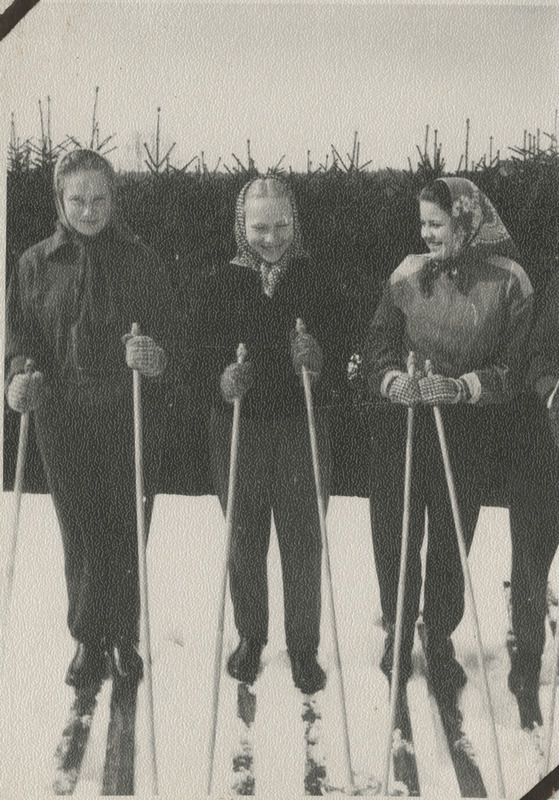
point(185, 554)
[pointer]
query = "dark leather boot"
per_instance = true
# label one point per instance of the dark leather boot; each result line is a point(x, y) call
point(244, 663)
point(308, 675)
point(89, 665)
point(126, 662)
point(447, 676)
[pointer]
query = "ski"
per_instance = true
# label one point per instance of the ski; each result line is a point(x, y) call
point(118, 773)
point(403, 750)
point(468, 775)
point(315, 764)
point(75, 736)
point(243, 758)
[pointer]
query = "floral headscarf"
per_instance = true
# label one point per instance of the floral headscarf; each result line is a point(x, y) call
point(478, 230)
point(247, 257)
point(475, 221)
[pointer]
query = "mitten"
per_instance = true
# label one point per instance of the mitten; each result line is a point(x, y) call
point(144, 355)
point(403, 389)
point(306, 352)
point(25, 391)
point(236, 380)
point(437, 389)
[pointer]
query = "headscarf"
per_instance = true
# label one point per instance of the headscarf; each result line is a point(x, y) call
point(90, 357)
point(478, 232)
point(247, 257)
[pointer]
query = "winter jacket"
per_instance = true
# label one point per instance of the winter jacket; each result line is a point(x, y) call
point(475, 327)
point(232, 308)
point(68, 312)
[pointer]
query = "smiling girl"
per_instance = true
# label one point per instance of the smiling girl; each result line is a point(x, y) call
point(466, 306)
point(71, 300)
point(256, 299)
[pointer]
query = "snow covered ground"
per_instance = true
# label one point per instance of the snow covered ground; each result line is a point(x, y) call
point(184, 561)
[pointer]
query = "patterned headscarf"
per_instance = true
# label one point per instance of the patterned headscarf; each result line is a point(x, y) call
point(478, 231)
point(247, 257)
point(475, 221)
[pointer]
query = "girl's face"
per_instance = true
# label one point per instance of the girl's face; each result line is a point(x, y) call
point(86, 196)
point(436, 229)
point(269, 226)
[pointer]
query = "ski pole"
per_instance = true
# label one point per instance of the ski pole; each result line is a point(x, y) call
point(329, 586)
point(551, 713)
point(468, 583)
point(241, 355)
point(401, 589)
point(7, 583)
point(142, 569)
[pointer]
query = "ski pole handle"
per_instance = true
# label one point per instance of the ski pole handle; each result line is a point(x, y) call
point(241, 353)
point(300, 326)
point(29, 366)
point(411, 364)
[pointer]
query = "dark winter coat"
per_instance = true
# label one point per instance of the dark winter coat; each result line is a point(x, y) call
point(69, 303)
point(232, 308)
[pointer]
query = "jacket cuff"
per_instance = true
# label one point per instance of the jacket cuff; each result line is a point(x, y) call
point(474, 385)
point(387, 380)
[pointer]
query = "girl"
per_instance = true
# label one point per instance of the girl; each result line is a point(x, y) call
point(256, 299)
point(465, 306)
point(534, 507)
point(70, 302)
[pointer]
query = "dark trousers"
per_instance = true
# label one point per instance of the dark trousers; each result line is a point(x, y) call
point(534, 523)
point(274, 474)
point(469, 440)
point(88, 456)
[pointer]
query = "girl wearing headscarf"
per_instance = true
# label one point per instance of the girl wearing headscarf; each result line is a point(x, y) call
point(466, 307)
point(71, 300)
point(534, 507)
point(255, 300)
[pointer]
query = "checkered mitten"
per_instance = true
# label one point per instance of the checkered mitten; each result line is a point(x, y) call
point(25, 391)
point(437, 389)
point(403, 389)
point(236, 380)
point(144, 355)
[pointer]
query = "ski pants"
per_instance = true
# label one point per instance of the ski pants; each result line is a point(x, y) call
point(470, 445)
point(88, 457)
point(274, 473)
point(534, 523)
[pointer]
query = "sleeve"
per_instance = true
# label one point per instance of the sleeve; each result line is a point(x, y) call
point(543, 347)
point(503, 379)
point(382, 353)
point(24, 338)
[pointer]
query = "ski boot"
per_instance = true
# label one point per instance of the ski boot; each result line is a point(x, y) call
point(89, 667)
point(308, 675)
point(523, 682)
point(244, 662)
point(447, 676)
point(126, 662)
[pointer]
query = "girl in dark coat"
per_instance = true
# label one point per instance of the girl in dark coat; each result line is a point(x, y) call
point(465, 306)
point(534, 507)
point(71, 300)
point(255, 299)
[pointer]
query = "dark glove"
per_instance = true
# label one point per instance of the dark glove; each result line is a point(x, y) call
point(437, 389)
point(236, 380)
point(25, 391)
point(143, 354)
point(403, 389)
point(306, 352)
